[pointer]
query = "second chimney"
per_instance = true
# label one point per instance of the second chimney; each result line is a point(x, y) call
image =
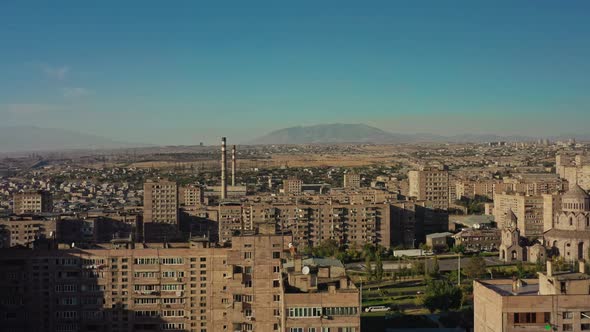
point(223, 170)
point(233, 166)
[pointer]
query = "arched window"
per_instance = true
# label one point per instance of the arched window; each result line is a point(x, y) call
point(587, 221)
point(571, 221)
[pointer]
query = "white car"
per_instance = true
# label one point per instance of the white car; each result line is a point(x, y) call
point(377, 308)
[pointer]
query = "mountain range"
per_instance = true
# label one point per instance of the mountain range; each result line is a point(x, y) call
point(361, 133)
point(35, 139)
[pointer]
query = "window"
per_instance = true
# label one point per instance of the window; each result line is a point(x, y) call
point(276, 298)
point(276, 269)
point(568, 315)
point(304, 312)
point(276, 254)
point(276, 283)
point(585, 327)
point(568, 327)
point(171, 261)
point(172, 326)
point(248, 255)
point(340, 311)
point(296, 329)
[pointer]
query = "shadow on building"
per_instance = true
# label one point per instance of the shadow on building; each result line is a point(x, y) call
point(46, 289)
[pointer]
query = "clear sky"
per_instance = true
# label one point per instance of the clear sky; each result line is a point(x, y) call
point(194, 70)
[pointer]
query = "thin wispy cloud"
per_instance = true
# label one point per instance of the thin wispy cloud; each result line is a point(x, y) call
point(56, 72)
point(76, 92)
point(24, 109)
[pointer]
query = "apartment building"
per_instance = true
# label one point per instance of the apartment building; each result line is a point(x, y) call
point(230, 220)
point(292, 186)
point(190, 196)
point(311, 224)
point(527, 209)
point(574, 168)
point(319, 297)
point(160, 210)
point(171, 287)
point(352, 180)
point(32, 202)
point(556, 301)
point(430, 184)
point(25, 230)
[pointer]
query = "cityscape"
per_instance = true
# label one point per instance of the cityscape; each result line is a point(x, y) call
point(310, 167)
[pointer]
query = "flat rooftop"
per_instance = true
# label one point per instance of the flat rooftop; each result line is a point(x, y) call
point(504, 287)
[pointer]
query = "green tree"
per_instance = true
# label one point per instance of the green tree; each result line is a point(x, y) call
point(435, 268)
point(476, 268)
point(378, 268)
point(328, 248)
point(458, 249)
point(368, 268)
point(441, 295)
point(520, 270)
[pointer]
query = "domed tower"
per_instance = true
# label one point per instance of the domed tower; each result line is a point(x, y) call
point(570, 236)
point(575, 200)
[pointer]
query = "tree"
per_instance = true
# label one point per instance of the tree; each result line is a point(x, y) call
point(328, 248)
point(368, 250)
point(520, 270)
point(435, 268)
point(378, 268)
point(368, 267)
point(418, 267)
point(458, 249)
point(476, 268)
point(441, 295)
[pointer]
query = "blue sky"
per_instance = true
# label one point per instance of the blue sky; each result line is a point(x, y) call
point(147, 71)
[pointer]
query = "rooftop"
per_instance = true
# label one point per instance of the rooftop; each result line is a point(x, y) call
point(504, 287)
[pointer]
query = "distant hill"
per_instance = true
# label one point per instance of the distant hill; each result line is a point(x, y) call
point(361, 133)
point(22, 139)
point(329, 133)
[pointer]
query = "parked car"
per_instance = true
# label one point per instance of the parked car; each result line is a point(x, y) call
point(377, 308)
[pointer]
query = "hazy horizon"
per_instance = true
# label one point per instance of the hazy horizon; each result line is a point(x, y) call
point(144, 72)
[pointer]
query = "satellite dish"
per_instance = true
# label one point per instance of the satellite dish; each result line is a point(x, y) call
point(305, 270)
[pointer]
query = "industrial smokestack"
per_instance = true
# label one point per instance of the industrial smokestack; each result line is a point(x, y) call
point(223, 170)
point(233, 166)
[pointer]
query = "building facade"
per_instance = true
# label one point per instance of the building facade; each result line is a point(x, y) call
point(160, 210)
point(528, 210)
point(174, 287)
point(430, 184)
point(292, 186)
point(352, 180)
point(32, 202)
point(556, 301)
